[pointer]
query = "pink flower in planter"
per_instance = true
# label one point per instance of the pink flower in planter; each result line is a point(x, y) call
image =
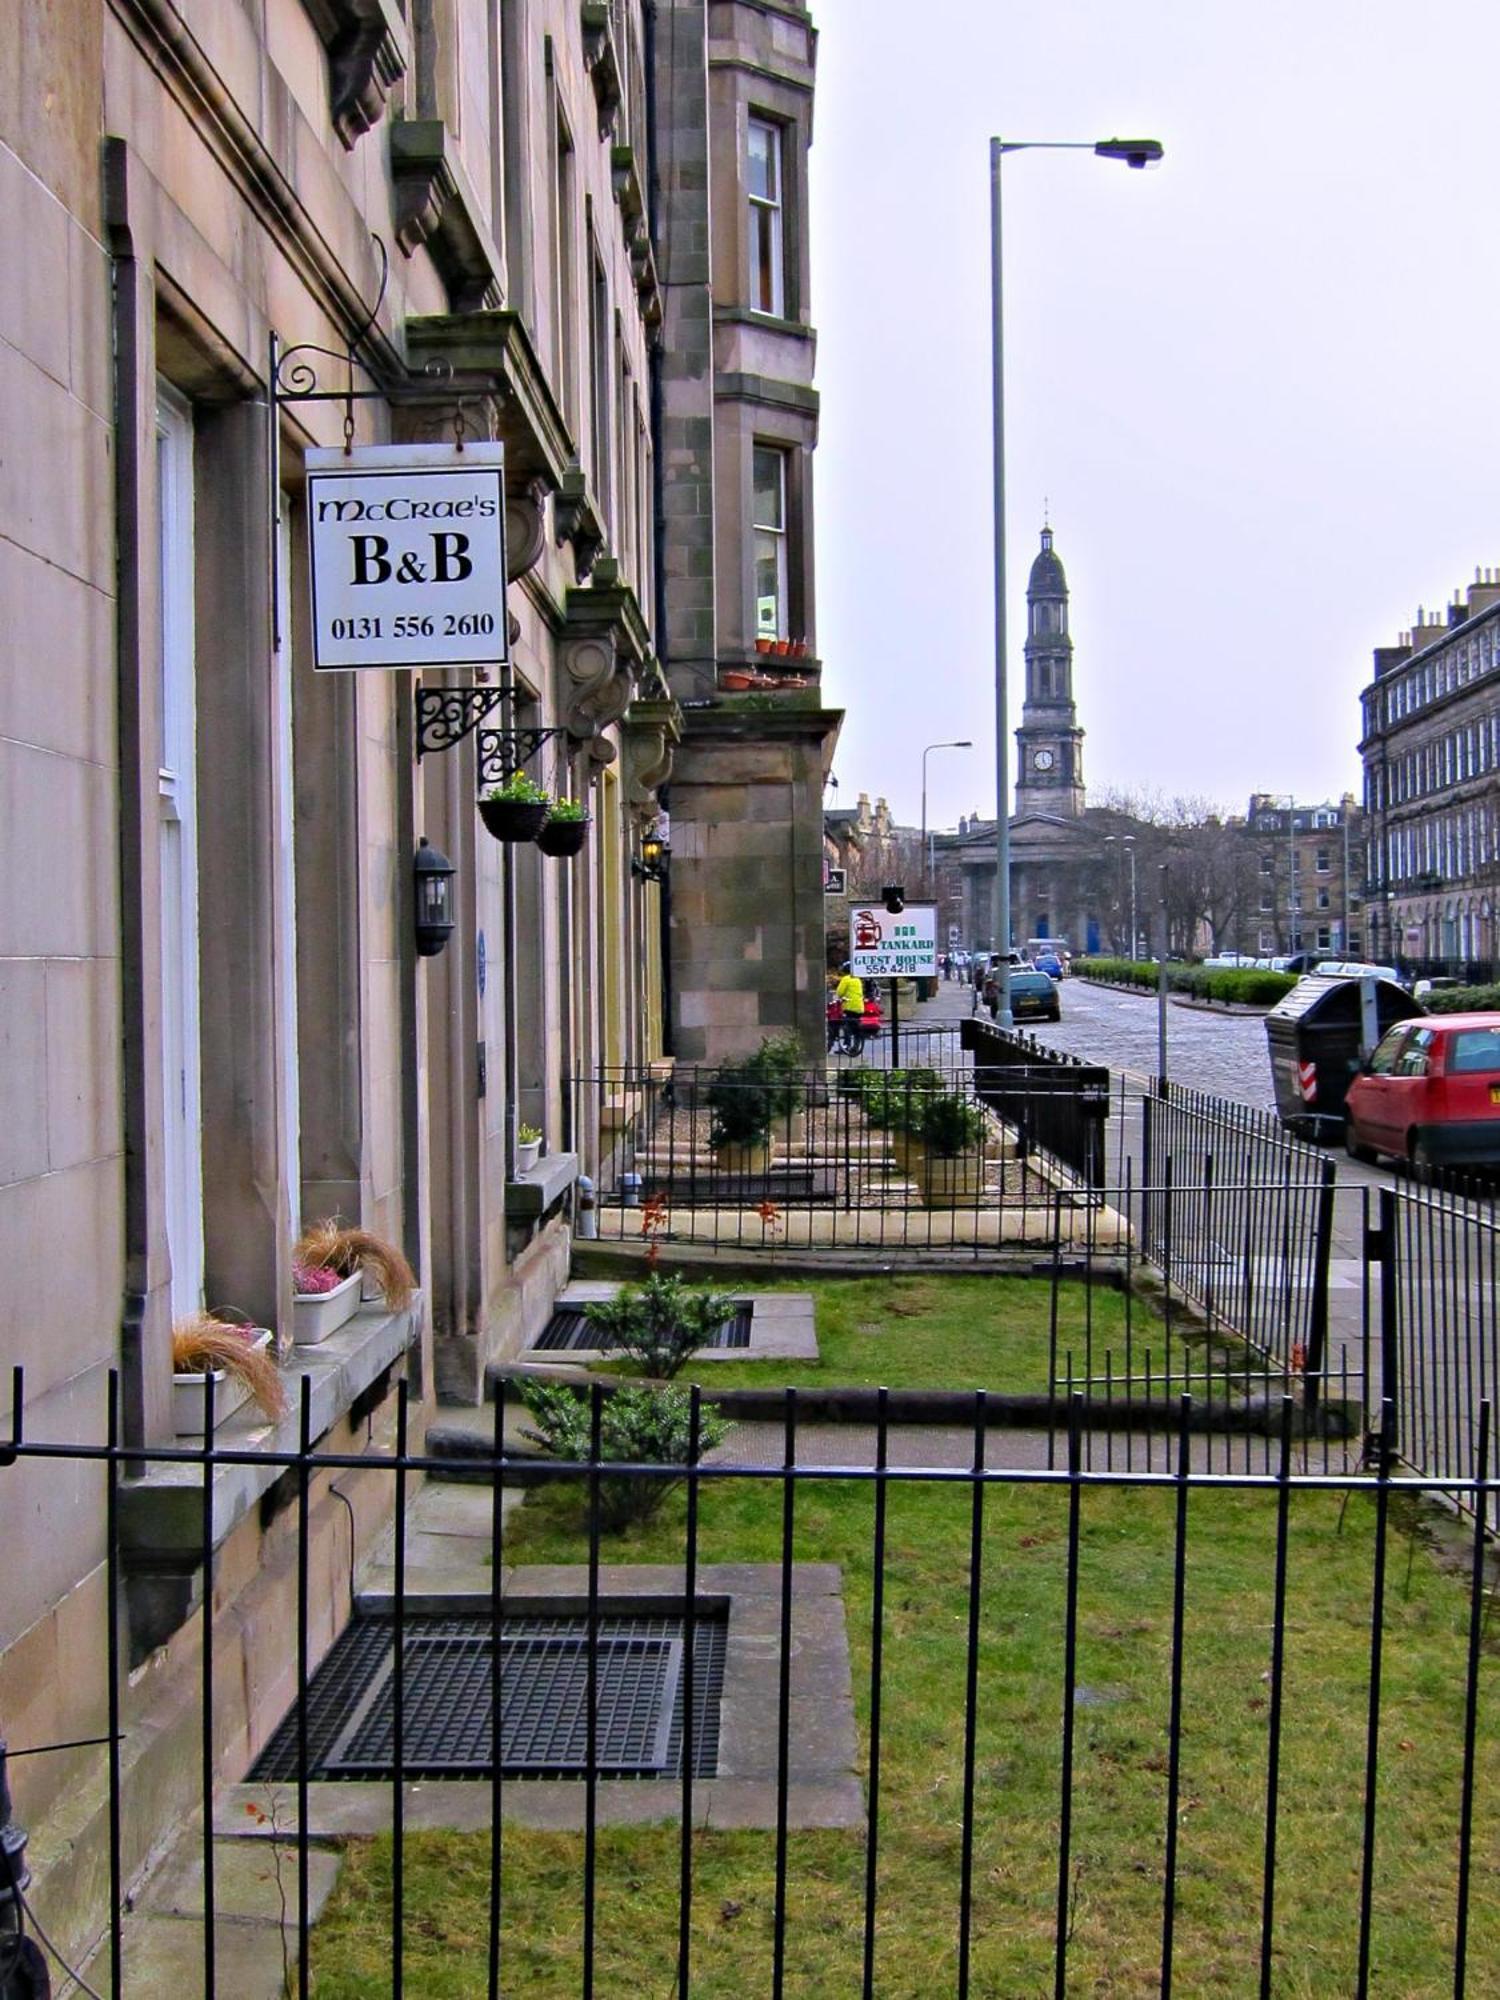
point(312, 1279)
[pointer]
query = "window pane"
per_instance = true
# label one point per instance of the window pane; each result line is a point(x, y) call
point(763, 170)
point(765, 260)
point(768, 619)
point(768, 488)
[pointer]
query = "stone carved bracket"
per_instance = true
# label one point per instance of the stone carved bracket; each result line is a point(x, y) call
point(367, 56)
point(602, 60)
point(435, 205)
point(597, 685)
point(652, 731)
point(578, 520)
point(604, 649)
point(525, 528)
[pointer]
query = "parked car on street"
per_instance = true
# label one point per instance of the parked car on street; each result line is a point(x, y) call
point(1355, 968)
point(1033, 996)
point(1430, 1095)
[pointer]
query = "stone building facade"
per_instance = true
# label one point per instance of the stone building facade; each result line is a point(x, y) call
point(1307, 893)
point(1430, 745)
point(738, 426)
point(217, 1022)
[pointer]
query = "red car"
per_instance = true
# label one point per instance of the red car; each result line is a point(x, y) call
point(1430, 1095)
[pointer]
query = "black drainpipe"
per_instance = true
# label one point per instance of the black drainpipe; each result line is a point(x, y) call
point(658, 461)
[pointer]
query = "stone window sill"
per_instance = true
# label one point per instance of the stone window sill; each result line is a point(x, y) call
point(161, 1512)
point(540, 1188)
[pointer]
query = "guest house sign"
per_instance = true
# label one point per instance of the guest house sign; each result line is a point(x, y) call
point(407, 545)
point(882, 946)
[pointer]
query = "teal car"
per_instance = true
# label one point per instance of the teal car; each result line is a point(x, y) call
point(1033, 996)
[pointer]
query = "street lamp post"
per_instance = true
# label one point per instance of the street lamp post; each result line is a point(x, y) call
point(959, 743)
point(1135, 153)
point(1111, 840)
point(1128, 842)
point(1161, 989)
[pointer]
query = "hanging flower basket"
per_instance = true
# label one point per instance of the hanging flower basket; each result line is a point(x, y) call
point(516, 810)
point(563, 838)
point(512, 819)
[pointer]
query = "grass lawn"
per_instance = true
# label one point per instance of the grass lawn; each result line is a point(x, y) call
point(1119, 1787)
point(937, 1332)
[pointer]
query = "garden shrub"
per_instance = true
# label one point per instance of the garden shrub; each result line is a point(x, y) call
point(742, 1098)
point(950, 1124)
point(1463, 1000)
point(648, 1424)
point(659, 1323)
point(893, 1100)
point(1253, 986)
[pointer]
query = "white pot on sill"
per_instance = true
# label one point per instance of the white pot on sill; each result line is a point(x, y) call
point(528, 1152)
point(315, 1315)
point(230, 1394)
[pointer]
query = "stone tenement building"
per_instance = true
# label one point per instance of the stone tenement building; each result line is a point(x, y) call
point(218, 219)
point(739, 423)
point(1431, 753)
point(1308, 887)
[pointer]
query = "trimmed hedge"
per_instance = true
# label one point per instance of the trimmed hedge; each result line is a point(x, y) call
point(1463, 1000)
point(1249, 986)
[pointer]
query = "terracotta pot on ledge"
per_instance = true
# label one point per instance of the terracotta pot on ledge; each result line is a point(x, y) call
point(738, 679)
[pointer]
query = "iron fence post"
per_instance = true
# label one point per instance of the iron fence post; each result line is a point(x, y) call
point(1317, 1322)
point(1380, 1248)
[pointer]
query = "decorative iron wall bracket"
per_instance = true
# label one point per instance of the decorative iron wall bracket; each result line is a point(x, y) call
point(445, 716)
point(504, 752)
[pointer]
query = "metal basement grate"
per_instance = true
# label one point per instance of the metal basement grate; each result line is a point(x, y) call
point(569, 1327)
point(447, 1713)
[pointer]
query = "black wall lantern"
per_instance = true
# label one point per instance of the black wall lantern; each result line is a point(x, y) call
point(893, 895)
point(654, 855)
point(434, 872)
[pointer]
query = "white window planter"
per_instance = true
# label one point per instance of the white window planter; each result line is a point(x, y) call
point(315, 1315)
point(229, 1394)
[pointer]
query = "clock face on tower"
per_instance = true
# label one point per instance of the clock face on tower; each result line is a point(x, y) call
point(1042, 760)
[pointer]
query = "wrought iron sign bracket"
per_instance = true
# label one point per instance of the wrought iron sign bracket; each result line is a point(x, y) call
point(445, 716)
point(504, 752)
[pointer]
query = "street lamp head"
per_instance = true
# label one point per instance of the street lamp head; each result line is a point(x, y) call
point(1134, 152)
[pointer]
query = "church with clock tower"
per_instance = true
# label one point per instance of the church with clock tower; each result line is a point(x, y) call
point(1049, 743)
point(1063, 878)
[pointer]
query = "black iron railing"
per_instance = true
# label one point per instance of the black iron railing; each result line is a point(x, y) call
point(1238, 1217)
point(1070, 1744)
point(858, 1157)
point(1436, 1305)
point(1060, 1102)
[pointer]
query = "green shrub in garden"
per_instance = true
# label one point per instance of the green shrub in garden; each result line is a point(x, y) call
point(1463, 1000)
point(646, 1425)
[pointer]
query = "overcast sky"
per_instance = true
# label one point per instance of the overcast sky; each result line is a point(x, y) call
point(1256, 386)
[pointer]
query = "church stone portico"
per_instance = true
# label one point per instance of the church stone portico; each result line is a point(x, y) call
point(1058, 883)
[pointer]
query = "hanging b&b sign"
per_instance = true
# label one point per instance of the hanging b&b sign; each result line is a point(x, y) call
point(407, 544)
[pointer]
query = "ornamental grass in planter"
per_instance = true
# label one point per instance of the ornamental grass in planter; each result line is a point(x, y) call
point(329, 1246)
point(566, 830)
point(516, 810)
point(238, 1360)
